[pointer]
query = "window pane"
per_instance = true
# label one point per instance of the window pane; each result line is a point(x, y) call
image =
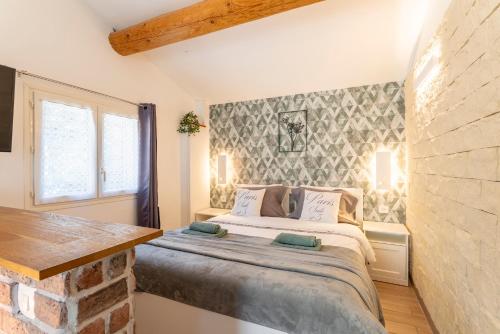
point(120, 148)
point(67, 157)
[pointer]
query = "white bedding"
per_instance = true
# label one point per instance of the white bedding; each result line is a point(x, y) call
point(343, 235)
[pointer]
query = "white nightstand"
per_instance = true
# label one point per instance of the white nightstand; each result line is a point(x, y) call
point(391, 245)
point(206, 214)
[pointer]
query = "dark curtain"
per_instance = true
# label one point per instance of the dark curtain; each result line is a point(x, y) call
point(148, 211)
point(7, 88)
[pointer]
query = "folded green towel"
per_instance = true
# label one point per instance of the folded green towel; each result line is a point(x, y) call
point(220, 234)
point(296, 239)
point(313, 248)
point(205, 227)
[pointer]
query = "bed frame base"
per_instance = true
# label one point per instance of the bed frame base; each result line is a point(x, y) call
point(154, 314)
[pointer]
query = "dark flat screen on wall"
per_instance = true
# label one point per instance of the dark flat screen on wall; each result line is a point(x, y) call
point(7, 84)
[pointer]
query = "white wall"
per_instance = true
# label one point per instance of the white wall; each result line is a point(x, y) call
point(63, 39)
point(199, 161)
point(196, 163)
point(434, 11)
point(327, 45)
point(453, 139)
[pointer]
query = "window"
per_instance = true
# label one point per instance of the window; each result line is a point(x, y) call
point(82, 151)
point(120, 151)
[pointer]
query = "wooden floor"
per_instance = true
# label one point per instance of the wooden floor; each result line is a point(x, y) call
point(402, 311)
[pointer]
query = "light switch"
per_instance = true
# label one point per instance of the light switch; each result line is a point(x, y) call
point(383, 209)
point(26, 300)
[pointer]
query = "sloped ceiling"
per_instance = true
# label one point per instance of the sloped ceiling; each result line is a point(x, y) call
point(328, 45)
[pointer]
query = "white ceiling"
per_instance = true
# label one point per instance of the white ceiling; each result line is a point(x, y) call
point(120, 14)
point(332, 44)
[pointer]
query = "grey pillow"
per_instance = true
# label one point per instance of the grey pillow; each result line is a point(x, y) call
point(347, 208)
point(271, 204)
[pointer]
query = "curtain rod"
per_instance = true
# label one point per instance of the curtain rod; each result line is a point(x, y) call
point(19, 73)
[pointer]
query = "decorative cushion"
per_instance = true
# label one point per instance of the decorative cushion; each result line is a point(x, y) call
point(272, 202)
point(347, 208)
point(248, 202)
point(321, 206)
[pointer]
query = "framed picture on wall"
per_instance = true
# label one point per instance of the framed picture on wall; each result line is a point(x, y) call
point(292, 131)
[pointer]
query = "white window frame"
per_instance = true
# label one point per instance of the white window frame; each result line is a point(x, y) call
point(39, 97)
point(102, 173)
point(69, 96)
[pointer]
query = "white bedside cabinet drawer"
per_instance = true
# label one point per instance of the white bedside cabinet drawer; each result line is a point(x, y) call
point(391, 264)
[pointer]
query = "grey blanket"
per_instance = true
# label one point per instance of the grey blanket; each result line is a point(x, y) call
point(292, 290)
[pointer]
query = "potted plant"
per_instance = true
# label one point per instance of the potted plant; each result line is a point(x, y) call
point(190, 124)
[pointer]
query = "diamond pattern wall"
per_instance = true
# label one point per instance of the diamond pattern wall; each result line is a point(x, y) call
point(345, 129)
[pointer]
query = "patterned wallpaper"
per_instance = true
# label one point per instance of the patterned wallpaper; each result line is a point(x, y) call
point(345, 129)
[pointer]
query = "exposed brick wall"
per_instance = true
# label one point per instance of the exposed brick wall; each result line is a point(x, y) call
point(453, 136)
point(94, 299)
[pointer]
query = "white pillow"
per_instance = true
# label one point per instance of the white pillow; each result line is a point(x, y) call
point(247, 202)
point(321, 206)
point(285, 204)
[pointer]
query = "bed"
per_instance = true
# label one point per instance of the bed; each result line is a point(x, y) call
point(242, 284)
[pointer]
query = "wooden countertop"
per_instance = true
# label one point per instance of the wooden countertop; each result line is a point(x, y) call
point(40, 245)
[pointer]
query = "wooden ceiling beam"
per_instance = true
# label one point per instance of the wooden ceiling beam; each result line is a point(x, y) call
point(198, 19)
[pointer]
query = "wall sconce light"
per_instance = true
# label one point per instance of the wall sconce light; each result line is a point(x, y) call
point(383, 171)
point(222, 170)
point(428, 71)
point(429, 67)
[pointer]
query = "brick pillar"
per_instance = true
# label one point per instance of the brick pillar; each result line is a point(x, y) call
point(92, 299)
